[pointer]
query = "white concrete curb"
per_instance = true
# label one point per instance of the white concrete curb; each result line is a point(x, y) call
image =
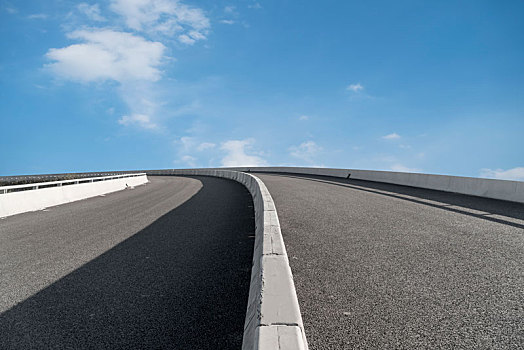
point(273, 319)
point(37, 196)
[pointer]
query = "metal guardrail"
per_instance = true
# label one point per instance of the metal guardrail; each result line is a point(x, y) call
point(40, 185)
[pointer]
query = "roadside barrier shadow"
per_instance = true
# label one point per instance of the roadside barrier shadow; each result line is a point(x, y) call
point(479, 207)
point(180, 283)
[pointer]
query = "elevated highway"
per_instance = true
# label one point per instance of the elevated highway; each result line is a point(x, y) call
point(161, 266)
point(168, 265)
point(380, 266)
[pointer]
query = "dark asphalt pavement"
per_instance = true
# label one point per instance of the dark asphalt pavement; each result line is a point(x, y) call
point(380, 266)
point(166, 265)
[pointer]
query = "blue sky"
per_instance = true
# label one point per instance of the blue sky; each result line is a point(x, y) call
point(424, 86)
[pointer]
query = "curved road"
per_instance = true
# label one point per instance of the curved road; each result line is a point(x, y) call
point(380, 266)
point(165, 265)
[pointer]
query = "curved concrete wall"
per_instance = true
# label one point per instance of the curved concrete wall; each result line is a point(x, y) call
point(488, 188)
point(30, 200)
point(273, 319)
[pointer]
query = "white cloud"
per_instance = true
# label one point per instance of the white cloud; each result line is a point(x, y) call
point(165, 17)
point(196, 35)
point(188, 144)
point(11, 10)
point(516, 174)
point(107, 55)
point(303, 117)
point(189, 160)
point(355, 87)
point(37, 16)
point(227, 21)
point(229, 9)
point(140, 120)
point(256, 6)
point(185, 39)
point(404, 169)
point(237, 156)
point(205, 146)
point(393, 136)
point(91, 11)
point(128, 55)
point(143, 97)
point(305, 151)
point(191, 37)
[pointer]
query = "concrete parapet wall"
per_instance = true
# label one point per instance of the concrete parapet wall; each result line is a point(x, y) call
point(273, 320)
point(488, 188)
point(12, 203)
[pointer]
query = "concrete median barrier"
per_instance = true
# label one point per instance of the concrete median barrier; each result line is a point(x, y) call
point(273, 320)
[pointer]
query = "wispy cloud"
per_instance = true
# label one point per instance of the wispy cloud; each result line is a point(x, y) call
point(165, 17)
point(186, 39)
point(205, 146)
point(187, 144)
point(91, 11)
point(236, 154)
point(404, 169)
point(303, 117)
point(229, 9)
point(516, 174)
point(306, 151)
point(355, 87)
point(11, 10)
point(231, 15)
point(38, 16)
point(189, 148)
point(393, 136)
point(140, 120)
point(189, 160)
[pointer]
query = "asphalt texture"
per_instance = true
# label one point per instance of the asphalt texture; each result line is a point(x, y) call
point(380, 266)
point(162, 266)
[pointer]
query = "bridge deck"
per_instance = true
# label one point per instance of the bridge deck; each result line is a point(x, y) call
point(166, 265)
point(380, 266)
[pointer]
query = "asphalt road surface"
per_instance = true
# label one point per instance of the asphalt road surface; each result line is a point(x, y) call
point(380, 266)
point(165, 265)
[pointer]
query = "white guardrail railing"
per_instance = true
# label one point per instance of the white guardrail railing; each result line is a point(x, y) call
point(41, 185)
